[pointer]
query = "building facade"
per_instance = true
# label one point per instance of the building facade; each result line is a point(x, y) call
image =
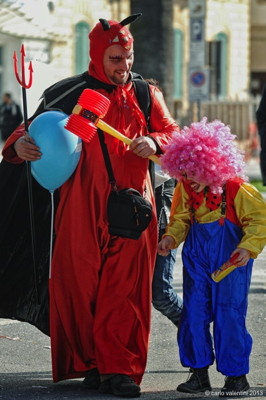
point(55, 37)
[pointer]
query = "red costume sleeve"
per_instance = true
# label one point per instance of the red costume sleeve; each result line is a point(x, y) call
point(8, 152)
point(161, 122)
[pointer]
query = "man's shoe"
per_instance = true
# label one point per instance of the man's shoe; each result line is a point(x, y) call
point(120, 385)
point(234, 386)
point(198, 382)
point(92, 379)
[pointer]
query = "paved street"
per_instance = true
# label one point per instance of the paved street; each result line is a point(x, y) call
point(26, 368)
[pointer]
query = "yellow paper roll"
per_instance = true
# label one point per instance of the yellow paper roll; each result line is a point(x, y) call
point(221, 273)
point(225, 269)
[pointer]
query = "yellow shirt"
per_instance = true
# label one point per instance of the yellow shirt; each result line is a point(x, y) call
point(250, 208)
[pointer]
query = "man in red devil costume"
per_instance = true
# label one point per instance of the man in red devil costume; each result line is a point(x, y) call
point(100, 285)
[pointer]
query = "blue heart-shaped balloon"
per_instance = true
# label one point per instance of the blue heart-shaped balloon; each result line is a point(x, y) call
point(60, 149)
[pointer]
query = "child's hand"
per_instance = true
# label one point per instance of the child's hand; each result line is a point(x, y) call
point(166, 244)
point(242, 257)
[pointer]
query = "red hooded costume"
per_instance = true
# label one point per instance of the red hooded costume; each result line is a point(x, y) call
point(100, 286)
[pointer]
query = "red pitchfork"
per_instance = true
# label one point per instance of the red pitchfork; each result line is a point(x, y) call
point(22, 81)
point(24, 85)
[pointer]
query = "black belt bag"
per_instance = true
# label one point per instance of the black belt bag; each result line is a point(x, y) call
point(129, 214)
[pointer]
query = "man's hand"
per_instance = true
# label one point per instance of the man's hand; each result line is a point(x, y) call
point(26, 148)
point(243, 256)
point(166, 244)
point(143, 146)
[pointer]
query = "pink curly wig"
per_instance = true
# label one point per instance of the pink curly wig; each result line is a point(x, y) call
point(205, 151)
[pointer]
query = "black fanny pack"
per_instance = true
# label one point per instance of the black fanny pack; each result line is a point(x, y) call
point(129, 214)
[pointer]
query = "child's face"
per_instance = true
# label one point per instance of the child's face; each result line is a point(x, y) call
point(196, 186)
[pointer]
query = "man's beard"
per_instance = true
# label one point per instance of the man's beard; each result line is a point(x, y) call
point(120, 80)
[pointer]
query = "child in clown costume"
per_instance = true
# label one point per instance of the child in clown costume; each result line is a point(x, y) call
point(218, 215)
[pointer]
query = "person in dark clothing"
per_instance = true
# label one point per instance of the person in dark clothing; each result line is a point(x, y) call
point(10, 116)
point(261, 121)
point(164, 297)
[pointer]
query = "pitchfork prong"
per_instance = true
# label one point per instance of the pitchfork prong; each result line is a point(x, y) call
point(22, 80)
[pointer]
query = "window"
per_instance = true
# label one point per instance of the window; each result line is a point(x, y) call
point(1, 69)
point(82, 47)
point(217, 60)
point(222, 38)
point(178, 63)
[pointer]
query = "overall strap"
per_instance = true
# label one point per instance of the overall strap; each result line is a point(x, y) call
point(223, 203)
point(223, 207)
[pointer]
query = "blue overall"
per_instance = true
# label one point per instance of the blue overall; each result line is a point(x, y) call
point(207, 247)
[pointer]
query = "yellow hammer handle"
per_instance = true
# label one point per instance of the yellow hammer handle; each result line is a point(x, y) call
point(113, 132)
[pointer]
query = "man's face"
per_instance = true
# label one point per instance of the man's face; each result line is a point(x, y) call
point(117, 63)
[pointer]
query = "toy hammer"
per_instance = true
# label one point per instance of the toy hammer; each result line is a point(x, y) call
point(86, 118)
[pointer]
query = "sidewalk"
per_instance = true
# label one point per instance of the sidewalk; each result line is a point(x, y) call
point(253, 169)
point(253, 172)
point(26, 364)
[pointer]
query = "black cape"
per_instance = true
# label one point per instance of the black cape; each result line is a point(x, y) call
point(18, 297)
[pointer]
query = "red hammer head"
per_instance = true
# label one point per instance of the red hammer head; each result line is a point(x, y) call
point(91, 106)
